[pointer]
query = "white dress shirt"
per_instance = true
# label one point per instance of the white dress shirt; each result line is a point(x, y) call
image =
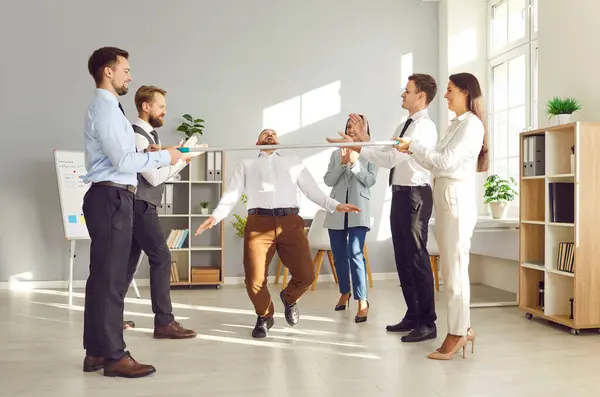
point(271, 181)
point(158, 175)
point(455, 155)
point(409, 171)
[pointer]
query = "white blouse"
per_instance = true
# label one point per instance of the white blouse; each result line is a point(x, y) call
point(456, 153)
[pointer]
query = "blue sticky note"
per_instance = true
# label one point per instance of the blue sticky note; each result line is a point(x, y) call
point(72, 218)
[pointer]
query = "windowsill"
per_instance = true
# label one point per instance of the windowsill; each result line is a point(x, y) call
point(487, 222)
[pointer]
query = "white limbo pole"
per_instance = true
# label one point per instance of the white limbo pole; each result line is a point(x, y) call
point(292, 146)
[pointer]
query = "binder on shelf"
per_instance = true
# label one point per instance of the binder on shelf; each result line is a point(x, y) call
point(526, 141)
point(210, 166)
point(539, 155)
point(218, 163)
point(168, 199)
point(566, 257)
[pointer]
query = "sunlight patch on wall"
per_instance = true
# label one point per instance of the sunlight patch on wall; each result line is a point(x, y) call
point(303, 110)
point(462, 48)
point(385, 232)
point(406, 67)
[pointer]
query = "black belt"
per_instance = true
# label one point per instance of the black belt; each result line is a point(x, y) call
point(273, 211)
point(400, 188)
point(131, 188)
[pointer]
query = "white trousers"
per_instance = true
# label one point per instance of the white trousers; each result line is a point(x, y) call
point(455, 218)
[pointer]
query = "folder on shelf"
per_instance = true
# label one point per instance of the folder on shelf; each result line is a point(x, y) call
point(539, 155)
point(210, 166)
point(218, 163)
point(525, 156)
point(168, 199)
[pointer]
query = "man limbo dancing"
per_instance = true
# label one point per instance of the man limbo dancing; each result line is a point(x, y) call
point(270, 182)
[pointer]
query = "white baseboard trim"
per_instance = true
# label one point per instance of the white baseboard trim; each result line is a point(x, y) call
point(26, 285)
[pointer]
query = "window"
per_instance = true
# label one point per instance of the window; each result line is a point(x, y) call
point(512, 59)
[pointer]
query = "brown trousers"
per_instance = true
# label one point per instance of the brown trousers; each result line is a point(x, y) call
point(263, 236)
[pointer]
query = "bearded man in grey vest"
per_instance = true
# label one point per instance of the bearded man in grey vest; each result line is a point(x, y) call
point(147, 234)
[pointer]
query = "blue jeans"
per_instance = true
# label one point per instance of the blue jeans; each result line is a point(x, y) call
point(347, 248)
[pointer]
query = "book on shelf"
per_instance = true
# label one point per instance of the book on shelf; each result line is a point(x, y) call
point(177, 238)
point(174, 272)
point(566, 257)
point(562, 202)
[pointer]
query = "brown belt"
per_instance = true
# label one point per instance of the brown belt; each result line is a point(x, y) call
point(130, 188)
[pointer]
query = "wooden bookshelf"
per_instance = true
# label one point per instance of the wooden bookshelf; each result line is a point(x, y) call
point(199, 259)
point(539, 235)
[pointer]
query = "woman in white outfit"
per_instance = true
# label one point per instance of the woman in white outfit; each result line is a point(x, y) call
point(460, 153)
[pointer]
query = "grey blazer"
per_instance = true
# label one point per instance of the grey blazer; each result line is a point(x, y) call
point(356, 180)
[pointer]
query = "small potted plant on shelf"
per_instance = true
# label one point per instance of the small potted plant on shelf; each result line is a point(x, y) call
point(191, 126)
point(240, 223)
point(204, 207)
point(562, 109)
point(499, 192)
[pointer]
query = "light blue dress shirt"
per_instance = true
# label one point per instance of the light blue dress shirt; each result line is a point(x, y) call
point(110, 150)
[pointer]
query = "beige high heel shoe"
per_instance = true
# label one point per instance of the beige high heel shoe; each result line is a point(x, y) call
point(471, 338)
point(462, 343)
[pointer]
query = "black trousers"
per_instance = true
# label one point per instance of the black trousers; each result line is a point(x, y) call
point(409, 219)
point(108, 212)
point(148, 236)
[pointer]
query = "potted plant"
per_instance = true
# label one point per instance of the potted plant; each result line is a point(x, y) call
point(562, 109)
point(240, 223)
point(498, 193)
point(191, 126)
point(204, 207)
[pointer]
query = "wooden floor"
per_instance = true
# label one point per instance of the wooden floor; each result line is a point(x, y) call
point(327, 354)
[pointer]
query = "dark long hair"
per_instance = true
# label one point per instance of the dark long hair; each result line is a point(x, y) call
point(469, 84)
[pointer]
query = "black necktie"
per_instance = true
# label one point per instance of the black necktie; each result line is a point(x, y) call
point(406, 124)
point(121, 107)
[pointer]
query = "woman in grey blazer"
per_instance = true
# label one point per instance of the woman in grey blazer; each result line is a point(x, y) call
point(351, 179)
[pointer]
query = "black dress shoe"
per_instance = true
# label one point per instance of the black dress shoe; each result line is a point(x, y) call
point(263, 325)
point(403, 326)
point(291, 311)
point(421, 333)
point(128, 324)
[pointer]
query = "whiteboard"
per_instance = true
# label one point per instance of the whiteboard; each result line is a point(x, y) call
point(70, 170)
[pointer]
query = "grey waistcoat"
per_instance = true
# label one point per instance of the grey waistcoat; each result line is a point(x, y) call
point(145, 191)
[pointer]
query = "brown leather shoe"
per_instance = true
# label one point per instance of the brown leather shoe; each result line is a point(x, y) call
point(127, 367)
point(92, 364)
point(173, 330)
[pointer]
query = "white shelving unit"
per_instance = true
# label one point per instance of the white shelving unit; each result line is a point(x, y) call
point(569, 298)
point(200, 259)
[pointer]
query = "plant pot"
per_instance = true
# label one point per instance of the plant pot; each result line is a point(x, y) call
point(572, 164)
point(204, 211)
point(563, 119)
point(499, 209)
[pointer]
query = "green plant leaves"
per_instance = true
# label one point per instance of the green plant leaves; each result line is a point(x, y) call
point(499, 189)
point(192, 126)
point(558, 105)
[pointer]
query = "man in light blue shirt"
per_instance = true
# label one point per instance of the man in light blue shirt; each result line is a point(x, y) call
point(112, 163)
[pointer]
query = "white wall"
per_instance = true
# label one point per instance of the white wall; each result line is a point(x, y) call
point(569, 56)
point(224, 61)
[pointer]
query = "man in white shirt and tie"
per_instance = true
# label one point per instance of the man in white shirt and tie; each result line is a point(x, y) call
point(412, 205)
point(271, 182)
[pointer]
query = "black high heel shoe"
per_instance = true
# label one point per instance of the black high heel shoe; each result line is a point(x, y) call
point(343, 307)
point(361, 319)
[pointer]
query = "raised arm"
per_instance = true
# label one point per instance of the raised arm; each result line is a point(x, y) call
point(466, 143)
point(112, 134)
point(156, 176)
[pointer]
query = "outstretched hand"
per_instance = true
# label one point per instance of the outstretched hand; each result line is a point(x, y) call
point(207, 224)
point(404, 144)
point(347, 208)
point(344, 138)
point(360, 126)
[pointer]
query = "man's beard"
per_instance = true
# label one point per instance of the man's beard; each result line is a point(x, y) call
point(122, 90)
point(155, 122)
